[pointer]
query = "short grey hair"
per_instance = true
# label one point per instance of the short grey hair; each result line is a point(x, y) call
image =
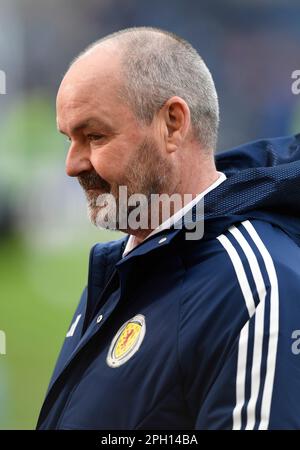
point(157, 65)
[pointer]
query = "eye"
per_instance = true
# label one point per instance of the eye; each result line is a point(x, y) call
point(94, 137)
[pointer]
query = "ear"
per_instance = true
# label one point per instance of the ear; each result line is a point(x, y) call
point(176, 115)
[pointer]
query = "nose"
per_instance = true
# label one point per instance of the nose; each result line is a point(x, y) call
point(77, 161)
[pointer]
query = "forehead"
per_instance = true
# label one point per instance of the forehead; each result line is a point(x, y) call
point(83, 90)
point(91, 84)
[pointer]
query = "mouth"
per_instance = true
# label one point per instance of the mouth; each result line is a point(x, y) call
point(92, 189)
point(95, 190)
point(93, 194)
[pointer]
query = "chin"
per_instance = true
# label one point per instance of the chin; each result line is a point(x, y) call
point(101, 218)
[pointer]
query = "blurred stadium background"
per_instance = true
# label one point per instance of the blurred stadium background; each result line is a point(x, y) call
point(252, 48)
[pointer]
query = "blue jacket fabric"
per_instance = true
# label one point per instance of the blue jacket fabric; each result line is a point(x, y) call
point(194, 334)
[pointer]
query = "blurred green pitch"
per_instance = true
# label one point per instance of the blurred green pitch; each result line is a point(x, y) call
point(39, 293)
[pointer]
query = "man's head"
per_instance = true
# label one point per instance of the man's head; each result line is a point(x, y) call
point(140, 110)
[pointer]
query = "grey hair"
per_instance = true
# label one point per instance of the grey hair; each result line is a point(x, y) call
point(157, 65)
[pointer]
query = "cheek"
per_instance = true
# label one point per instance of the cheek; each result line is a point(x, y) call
point(110, 161)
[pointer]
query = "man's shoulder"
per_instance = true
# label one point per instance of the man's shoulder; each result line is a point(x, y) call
point(260, 241)
point(246, 257)
point(241, 240)
point(252, 267)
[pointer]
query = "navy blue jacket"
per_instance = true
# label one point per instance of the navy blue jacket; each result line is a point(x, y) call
point(185, 334)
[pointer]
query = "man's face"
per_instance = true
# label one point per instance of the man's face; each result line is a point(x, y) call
point(109, 148)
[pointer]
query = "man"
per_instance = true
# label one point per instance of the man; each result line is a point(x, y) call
point(173, 331)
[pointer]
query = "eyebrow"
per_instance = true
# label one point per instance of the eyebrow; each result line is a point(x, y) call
point(85, 124)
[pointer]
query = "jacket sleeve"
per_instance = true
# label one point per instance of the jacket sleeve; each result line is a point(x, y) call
point(239, 333)
point(72, 337)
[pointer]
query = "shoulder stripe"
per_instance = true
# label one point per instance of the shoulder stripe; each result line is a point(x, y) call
point(250, 304)
point(257, 384)
point(240, 273)
point(273, 327)
point(241, 377)
point(258, 327)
